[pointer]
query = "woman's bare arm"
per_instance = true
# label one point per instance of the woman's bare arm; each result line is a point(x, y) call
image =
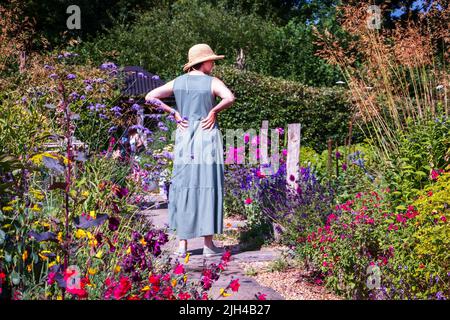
point(165, 91)
point(156, 94)
point(221, 90)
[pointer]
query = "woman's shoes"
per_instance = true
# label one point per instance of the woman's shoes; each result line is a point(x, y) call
point(214, 251)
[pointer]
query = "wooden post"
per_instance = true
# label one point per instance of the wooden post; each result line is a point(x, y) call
point(293, 154)
point(329, 163)
point(263, 150)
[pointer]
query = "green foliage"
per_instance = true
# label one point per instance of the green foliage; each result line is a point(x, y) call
point(323, 112)
point(266, 45)
point(424, 147)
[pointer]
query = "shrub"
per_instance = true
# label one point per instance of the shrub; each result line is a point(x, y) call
point(323, 112)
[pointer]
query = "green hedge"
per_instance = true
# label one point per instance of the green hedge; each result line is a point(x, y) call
point(323, 112)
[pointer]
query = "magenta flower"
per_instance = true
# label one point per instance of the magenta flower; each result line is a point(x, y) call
point(248, 200)
point(179, 269)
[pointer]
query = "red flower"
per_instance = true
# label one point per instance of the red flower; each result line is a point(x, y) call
point(261, 296)
point(430, 193)
point(154, 279)
point(421, 266)
point(248, 200)
point(444, 218)
point(122, 289)
point(81, 293)
point(2, 276)
point(234, 285)
point(168, 293)
point(226, 256)
point(179, 269)
point(184, 295)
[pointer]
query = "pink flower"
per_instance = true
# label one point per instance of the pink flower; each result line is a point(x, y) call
point(248, 200)
point(246, 137)
point(325, 264)
point(434, 174)
point(444, 219)
point(179, 269)
point(284, 152)
point(51, 278)
point(234, 285)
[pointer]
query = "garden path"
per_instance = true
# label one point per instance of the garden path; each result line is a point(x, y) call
point(249, 287)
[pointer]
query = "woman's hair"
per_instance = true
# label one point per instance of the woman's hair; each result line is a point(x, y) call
point(195, 66)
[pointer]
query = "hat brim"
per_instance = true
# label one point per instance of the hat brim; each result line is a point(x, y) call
point(192, 63)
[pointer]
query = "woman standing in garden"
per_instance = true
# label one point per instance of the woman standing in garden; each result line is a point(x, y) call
point(196, 189)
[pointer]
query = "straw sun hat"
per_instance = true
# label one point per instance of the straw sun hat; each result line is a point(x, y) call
point(200, 53)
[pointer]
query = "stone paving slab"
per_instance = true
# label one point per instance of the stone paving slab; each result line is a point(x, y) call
point(248, 286)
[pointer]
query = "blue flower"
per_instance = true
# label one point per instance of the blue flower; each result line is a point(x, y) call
point(71, 76)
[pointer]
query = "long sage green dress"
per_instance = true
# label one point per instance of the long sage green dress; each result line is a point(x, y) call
point(196, 189)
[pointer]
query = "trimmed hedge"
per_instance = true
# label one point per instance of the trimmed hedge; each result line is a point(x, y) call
point(323, 112)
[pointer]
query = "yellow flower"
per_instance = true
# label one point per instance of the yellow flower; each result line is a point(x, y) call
point(185, 278)
point(224, 293)
point(93, 214)
point(80, 234)
point(85, 194)
point(129, 250)
point(117, 269)
point(8, 208)
point(99, 254)
point(42, 254)
point(92, 271)
point(59, 237)
point(51, 264)
point(13, 201)
point(174, 282)
point(59, 297)
point(143, 242)
point(58, 259)
point(25, 255)
point(93, 242)
point(36, 208)
point(30, 267)
point(146, 288)
point(45, 224)
point(186, 259)
point(37, 194)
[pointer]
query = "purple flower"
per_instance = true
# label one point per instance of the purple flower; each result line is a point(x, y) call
point(136, 107)
point(344, 166)
point(116, 109)
point(112, 129)
point(108, 65)
point(155, 77)
point(89, 88)
point(48, 67)
point(53, 76)
point(113, 223)
point(338, 154)
point(71, 76)
point(82, 97)
point(103, 116)
point(74, 95)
